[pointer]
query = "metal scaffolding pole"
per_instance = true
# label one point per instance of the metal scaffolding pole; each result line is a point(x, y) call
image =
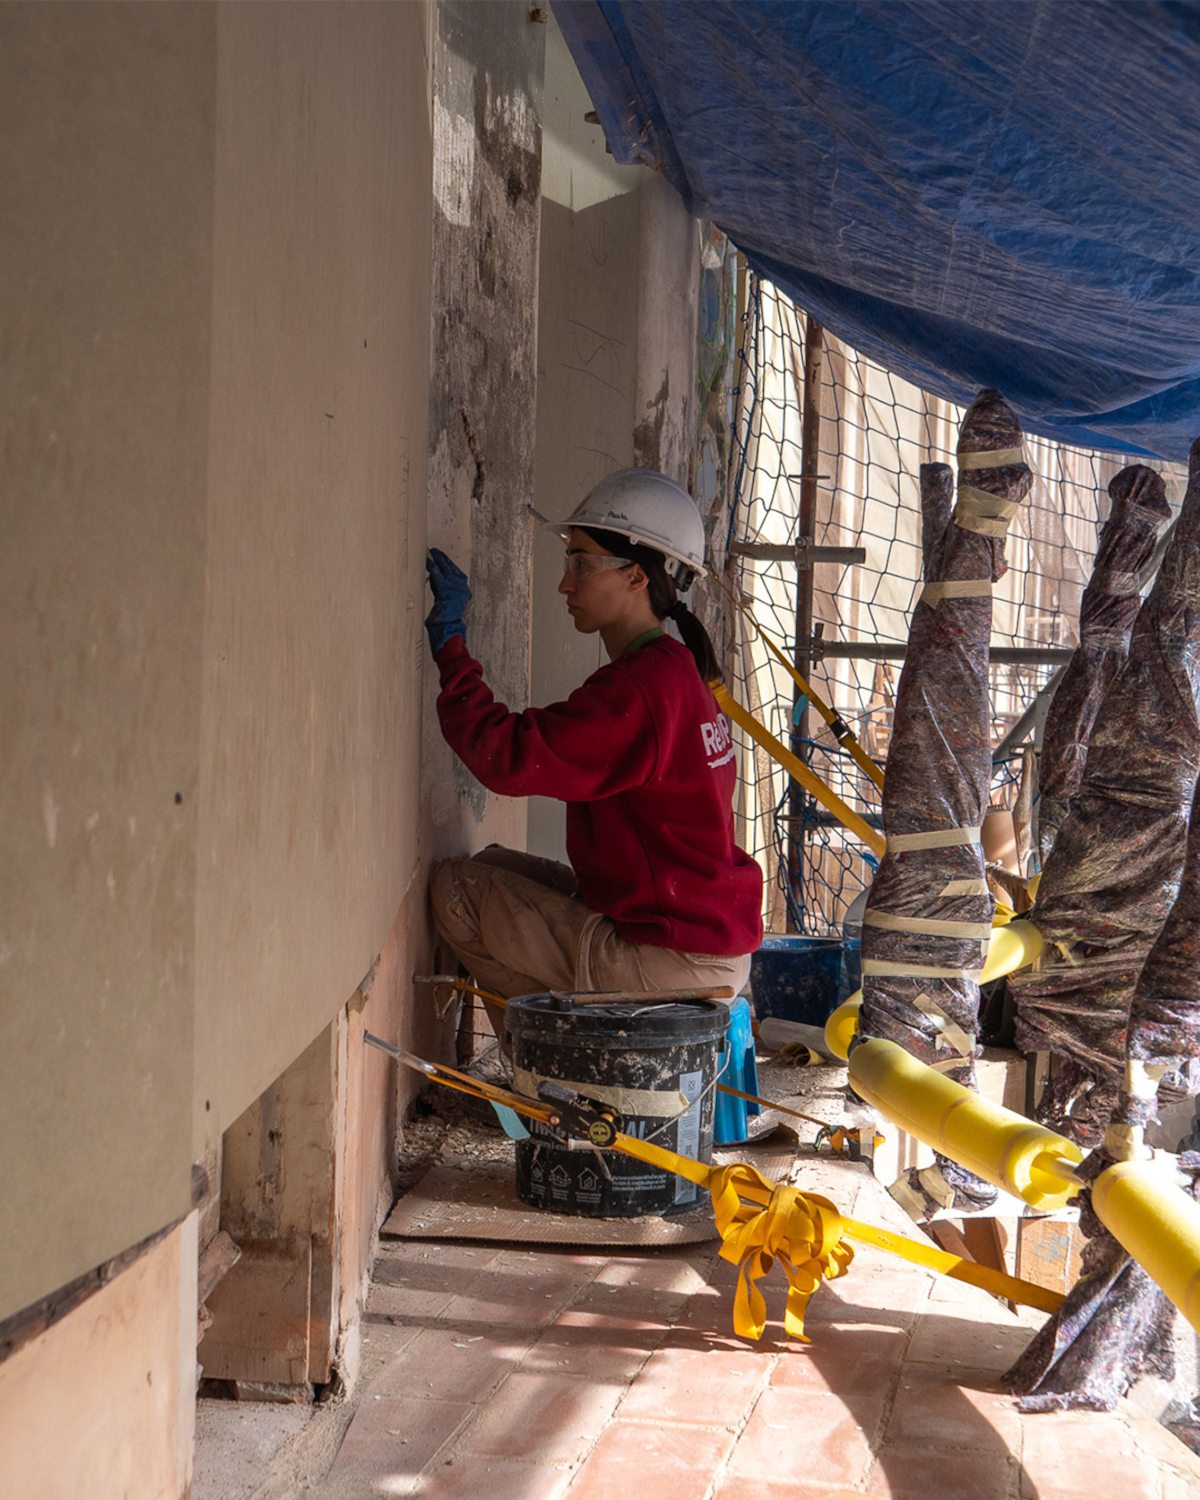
point(810, 463)
point(1024, 656)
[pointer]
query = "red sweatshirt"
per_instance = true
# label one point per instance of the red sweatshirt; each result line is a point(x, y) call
point(642, 756)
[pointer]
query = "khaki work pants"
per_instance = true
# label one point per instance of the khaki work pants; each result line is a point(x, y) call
point(518, 926)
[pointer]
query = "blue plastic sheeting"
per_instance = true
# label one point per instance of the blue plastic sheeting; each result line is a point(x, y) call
point(971, 193)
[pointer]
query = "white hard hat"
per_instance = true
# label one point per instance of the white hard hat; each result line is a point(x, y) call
point(647, 507)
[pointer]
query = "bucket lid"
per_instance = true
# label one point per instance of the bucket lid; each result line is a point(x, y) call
point(798, 942)
point(674, 1023)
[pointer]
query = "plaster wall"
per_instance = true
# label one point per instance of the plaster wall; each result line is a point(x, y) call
point(376, 1098)
point(103, 1404)
point(309, 745)
point(106, 132)
point(214, 370)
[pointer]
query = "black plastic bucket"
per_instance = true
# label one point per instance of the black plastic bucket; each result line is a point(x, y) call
point(654, 1063)
point(795, 977)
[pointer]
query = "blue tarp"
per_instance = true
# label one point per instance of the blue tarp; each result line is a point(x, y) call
point(972, 192)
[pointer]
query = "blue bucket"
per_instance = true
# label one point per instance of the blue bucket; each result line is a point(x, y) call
point(739, 1072)
point(795, 977)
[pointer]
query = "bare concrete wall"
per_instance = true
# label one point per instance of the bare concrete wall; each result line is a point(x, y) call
point(106, 130)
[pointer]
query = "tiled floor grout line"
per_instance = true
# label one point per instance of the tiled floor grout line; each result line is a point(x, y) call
point(1016, 1468)
point(437, 1460)
point(889, 1401)
point(693, 1322)
point(723, 1467)
point(721, 1470)
point(613, 1415)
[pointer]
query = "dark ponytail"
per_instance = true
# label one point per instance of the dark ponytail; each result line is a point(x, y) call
point(664, 598)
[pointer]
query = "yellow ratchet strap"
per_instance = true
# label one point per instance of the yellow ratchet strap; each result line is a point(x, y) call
point(798, 771)
point(840, 730)
point(760, 1221)
point(996, 1282)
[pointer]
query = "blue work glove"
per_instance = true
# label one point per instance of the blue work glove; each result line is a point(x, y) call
point(451, 595)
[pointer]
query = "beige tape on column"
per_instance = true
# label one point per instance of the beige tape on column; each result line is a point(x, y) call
point(658, 1104)
point(936, 838)
point(1106, 640)
point(978, 887)
point(936, 1186)
point(930, 926)
point(1141, 1078)
point(908, 1198)
point(958, 588)
point(1126, 1142)
point(950, 1031)
point(982, 512)
point(882, 968)
point(998, 458)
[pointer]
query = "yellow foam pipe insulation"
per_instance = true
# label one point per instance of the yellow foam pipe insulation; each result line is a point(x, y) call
point(1012, 947)
point(996, 1144)
point(1152, 1218)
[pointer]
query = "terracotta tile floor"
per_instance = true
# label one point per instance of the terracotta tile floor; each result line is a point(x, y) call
point(505, 1374)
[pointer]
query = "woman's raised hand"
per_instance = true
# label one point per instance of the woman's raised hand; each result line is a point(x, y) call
point(451, 595)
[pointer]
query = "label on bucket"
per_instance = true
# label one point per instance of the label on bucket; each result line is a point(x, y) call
point(687, 1138)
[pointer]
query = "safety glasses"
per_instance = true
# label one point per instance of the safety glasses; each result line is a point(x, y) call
point(584, 564)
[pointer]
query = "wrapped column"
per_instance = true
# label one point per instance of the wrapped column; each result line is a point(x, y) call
point(1115, 869)
point(929, 912)
point(1106, 616)
point(1115, 1323)
point(1162, 1042)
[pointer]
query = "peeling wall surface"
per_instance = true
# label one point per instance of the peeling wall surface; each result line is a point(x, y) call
point(270, 300)
point(487, 167)
point(664, 436)
point(616, 359)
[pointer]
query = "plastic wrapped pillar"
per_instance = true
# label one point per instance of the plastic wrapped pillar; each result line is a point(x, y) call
point(1115, 1323)
point(1106, 617)
point(1164, 1017)
point(929, 912)
point(1115, 868)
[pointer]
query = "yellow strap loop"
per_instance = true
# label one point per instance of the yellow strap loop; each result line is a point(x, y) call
point(760, 1221)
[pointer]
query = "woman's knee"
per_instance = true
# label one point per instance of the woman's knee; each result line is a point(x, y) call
point(451, 912)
